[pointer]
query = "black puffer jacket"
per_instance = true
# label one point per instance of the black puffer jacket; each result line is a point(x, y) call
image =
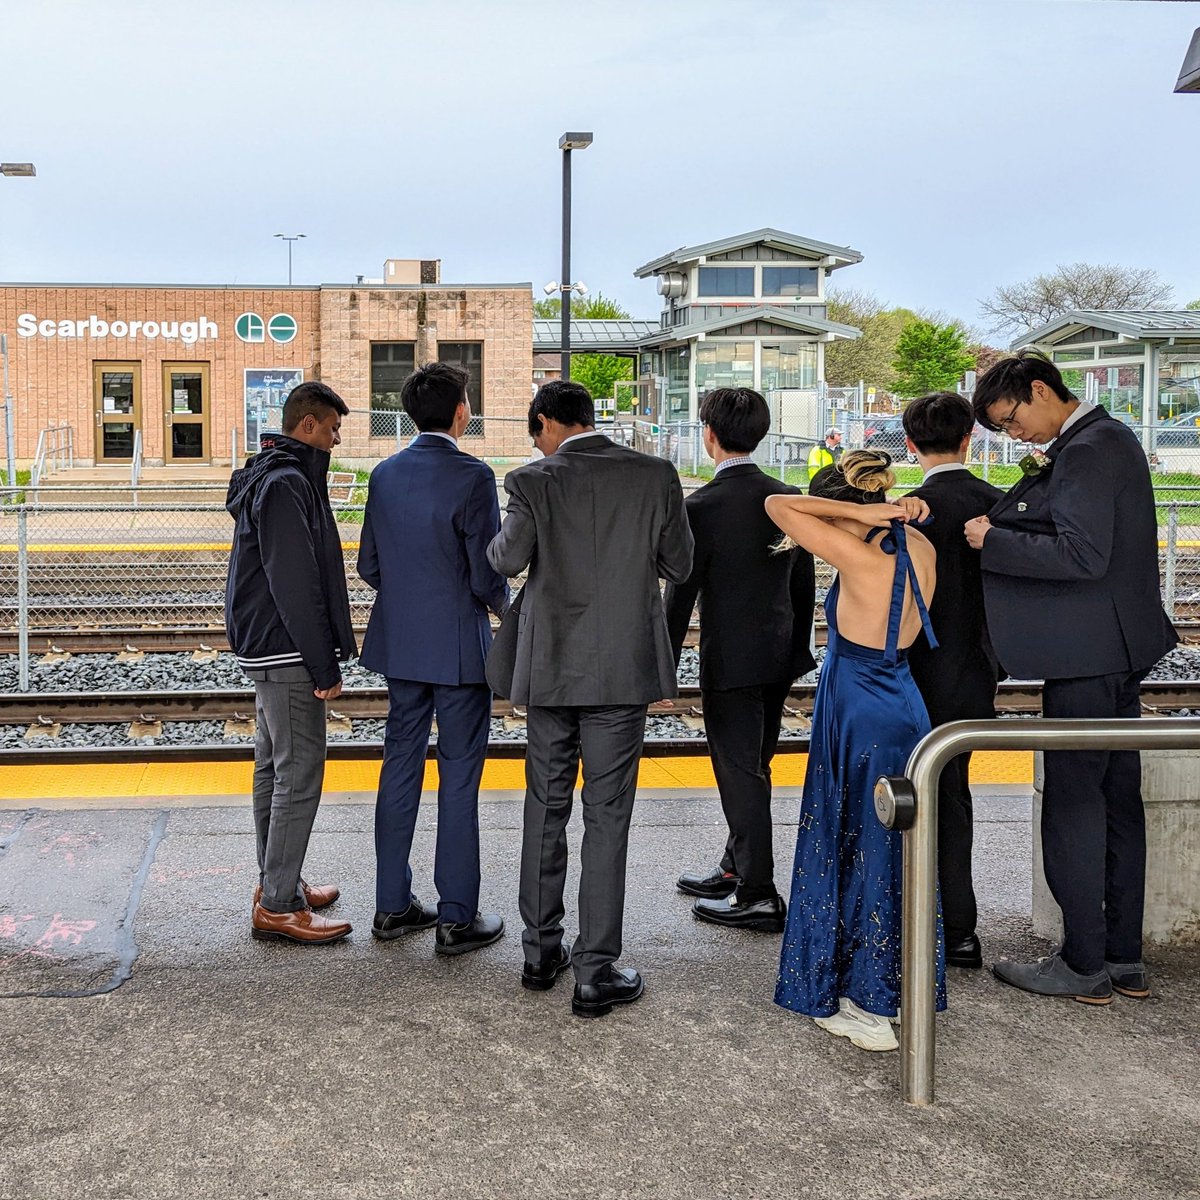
point(285, 598)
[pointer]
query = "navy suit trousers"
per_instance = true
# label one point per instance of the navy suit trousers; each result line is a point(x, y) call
point(1094, 827)
point(463, 715)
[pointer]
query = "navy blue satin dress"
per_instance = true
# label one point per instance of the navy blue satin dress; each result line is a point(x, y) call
point(843, 926)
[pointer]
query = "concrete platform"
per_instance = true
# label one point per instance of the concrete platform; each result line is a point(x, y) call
point(224, 1067)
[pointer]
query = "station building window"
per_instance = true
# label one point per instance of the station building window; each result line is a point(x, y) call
point(726, 281)
point(789, 281)
point(677, 385)
point(724, 364)
point(391, 364)
point(469, 357)
point(789, 365)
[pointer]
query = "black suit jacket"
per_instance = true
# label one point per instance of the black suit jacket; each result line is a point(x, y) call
point(1070, 569)
point(958, 679)
point(756, 607)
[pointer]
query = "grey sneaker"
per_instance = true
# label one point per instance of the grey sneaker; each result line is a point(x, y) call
point(1128, 978)
point(1051, 976)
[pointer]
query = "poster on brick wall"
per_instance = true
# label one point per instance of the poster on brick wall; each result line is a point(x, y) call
point(265, 392)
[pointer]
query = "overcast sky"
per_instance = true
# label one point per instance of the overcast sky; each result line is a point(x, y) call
point(957, 144)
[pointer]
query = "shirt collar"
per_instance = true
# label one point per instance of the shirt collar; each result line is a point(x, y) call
point(1081, 412)
point(438, 433)
point(576, 436)
point(738, 460)
point(941, 468)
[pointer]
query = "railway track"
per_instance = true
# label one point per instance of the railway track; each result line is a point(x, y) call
point(357, 704)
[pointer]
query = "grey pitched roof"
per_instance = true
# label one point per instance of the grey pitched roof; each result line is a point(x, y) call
point(595, 336)
point(801, 322)
point(773, 237)
point(1139, 324)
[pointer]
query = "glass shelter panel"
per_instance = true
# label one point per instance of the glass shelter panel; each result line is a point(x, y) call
point(677, 384)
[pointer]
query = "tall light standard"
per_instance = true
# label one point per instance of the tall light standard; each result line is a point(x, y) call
point(13, 170)
point(567, 143)
point(290, 238)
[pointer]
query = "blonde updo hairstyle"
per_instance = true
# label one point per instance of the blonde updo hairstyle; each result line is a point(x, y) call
point(860, 477)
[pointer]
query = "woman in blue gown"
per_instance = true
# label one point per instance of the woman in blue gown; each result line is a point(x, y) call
point(840, 961)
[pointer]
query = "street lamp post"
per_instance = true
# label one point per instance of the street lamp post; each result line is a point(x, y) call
point(290, 238)
point(13, 170)
point(567, 143)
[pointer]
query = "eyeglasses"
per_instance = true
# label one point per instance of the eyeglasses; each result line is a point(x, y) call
point(1007, 421)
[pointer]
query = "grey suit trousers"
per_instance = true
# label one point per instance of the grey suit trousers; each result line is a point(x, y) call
point(609, 740)
point(289, 769)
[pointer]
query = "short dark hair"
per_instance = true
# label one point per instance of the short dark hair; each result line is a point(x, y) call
point(738, 417)
point(563, 401)
point(1013, 379)
point(432, 393)
point(862, 477)
point(937, 423)
point(319, 399)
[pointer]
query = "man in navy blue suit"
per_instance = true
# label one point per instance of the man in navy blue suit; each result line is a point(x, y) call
point(1070, 577)
point(431, 511)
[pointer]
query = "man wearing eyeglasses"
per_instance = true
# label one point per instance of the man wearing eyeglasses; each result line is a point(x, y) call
point(1070, 576)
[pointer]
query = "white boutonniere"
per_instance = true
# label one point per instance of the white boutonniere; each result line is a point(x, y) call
point(1034, 463)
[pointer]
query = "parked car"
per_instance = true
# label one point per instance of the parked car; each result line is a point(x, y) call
point(1182, 431)
point(885, 433)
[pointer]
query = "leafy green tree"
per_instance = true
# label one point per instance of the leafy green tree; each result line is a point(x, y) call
point(597, 372)
point(869, 357)
point(1193, 305)
point(930, 358)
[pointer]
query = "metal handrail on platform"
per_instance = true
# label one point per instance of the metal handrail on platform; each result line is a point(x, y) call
point(909, 802)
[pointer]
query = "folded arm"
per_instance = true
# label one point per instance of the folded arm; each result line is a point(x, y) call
point(481, 525)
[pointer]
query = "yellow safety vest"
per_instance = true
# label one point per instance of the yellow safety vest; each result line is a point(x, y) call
point(819, 456)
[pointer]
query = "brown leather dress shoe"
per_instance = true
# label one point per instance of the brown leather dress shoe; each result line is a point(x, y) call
point(317, 897)
point(303, 926)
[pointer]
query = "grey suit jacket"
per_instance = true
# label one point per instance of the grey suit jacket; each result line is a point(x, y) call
point(598, 525)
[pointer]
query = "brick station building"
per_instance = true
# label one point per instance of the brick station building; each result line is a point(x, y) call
point(189, 375)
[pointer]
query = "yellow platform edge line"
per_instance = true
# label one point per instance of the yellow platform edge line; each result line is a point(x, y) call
point(65, 781)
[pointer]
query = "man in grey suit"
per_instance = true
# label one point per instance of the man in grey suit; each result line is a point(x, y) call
point(598, 525)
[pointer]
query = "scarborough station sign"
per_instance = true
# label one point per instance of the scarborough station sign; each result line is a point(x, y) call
point(249, 327)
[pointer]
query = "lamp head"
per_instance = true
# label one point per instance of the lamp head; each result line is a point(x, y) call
point(580, 288)
point(551, 287)
point(22, 169)
point(575, 141)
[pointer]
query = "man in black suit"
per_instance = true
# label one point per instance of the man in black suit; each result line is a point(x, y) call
point(756, 609)
point(958, 679)
point(1070, 576)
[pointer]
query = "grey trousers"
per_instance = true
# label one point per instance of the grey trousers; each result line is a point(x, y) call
point(289, 769)
point(609, 740)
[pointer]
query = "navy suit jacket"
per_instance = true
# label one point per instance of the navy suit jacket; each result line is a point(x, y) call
point(431, 511)
point(1070, 567)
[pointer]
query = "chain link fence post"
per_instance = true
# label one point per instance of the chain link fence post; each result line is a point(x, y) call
point(23, 598)
point(1171, 555)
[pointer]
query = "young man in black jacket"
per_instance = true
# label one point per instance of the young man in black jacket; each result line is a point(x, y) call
point(287, 613)
point(756, 612)
point(958, 679)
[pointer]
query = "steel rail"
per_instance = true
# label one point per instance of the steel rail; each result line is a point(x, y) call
point(909, 802)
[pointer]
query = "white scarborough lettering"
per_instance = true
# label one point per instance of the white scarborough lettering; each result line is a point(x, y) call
point(189, 332)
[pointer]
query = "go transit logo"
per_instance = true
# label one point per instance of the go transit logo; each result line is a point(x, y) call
point(250, 327)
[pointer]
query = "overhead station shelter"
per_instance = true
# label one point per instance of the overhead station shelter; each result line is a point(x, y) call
point(1142, 365)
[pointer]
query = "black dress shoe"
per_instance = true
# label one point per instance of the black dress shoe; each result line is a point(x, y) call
point(766, 916)
point(459, 938)
point(966, 953)
point(716, 885)
point(393, 925)
point(623, 986)
point(541, 977)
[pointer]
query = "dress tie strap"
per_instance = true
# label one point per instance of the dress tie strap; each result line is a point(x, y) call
point(895, 541)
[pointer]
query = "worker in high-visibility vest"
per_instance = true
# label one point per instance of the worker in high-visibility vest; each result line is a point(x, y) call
point(825, 455)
